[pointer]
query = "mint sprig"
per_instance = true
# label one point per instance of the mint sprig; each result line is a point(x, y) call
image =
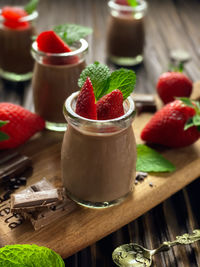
point(31, 6)
point(3, 136)
point(195, 120)
point(29, 255)
point(133, 3)
point(71, 33)
point(104, 81)
point(149, 160)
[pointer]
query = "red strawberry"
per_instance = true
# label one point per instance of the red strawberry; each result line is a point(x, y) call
point(166, 127)
point(110, 106)
point(85, 105)
point(22, 124)
point(50, 42)
point(12, 16)
point(173, 84)
point(122, 2)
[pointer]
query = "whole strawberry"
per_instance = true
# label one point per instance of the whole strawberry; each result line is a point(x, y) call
point(110, 106)
point(85, 105)
point(173, 84)
point(20, 125)
point(175, 125)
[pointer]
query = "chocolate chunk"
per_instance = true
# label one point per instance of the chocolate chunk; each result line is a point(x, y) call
point(144, 102)
point(22, 180)
point(140, 176)
point(6, 196)
point(13, 166)
point(33, 200)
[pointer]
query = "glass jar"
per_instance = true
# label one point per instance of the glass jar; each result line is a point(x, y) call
point(55, 77)
point(98, 158)
point(125, 33)
point(16, 63)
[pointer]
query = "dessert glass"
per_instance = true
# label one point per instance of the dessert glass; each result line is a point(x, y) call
point(55, 77)
point(125, 33)
point(16, 63)
point(98, 158)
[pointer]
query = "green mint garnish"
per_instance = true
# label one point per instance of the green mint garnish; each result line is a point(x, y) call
point(104, 81)
point(3, 136)
point(31, 6)
point(71, 33)
point(149, 160)
point(195, 120)
point(133, 3)
point(29, 255)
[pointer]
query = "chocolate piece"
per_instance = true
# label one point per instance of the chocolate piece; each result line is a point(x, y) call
point(33, 200)
point(144, 102)
point(11, 167)
point(140, 176)
point(43, 218)
point(22, 180)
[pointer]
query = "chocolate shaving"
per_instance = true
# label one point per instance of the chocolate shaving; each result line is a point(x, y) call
point(144, 103)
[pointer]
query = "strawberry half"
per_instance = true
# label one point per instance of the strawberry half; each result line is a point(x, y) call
point(85, 105)
point(12, 16)
point(173, 84)
point(166, 127)
point(110, 106)
point(122, 2)
point(50, 42)
point(21, 125)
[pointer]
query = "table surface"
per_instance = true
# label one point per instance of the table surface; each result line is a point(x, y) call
point(169, 25)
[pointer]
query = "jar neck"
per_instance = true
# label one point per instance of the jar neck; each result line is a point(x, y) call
point(79, 50)
point(98, 127)
point(124, 10)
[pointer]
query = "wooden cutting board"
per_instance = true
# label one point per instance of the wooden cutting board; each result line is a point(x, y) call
point(83, 226)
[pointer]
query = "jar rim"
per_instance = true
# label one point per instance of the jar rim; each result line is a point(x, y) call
point(68, 111)
point(82, 48)
point(141, 7)
point(29, 17)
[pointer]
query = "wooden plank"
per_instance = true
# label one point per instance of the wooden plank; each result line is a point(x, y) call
point(85, 226)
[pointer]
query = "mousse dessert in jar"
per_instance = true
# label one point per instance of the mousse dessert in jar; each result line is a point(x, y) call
point(99, 150)
point(56, 72)
point(125, 31)
point(17, 28)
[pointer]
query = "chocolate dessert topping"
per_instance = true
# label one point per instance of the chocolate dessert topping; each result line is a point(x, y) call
point(140, 176)
point(145, 102)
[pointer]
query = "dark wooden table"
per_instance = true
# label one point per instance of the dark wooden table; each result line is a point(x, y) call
point(171, 24)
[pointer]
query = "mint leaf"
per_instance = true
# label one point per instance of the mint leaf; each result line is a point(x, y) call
point(104, 81)
point(29, 255)
point(31, 6)
point(71, 33)
point(124, 80)
point(133, 3)
point(99, 75)
point(149, 160)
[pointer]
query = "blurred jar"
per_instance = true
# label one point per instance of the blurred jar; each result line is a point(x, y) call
point(125, 33)
point(55, 77)
point(16, 63)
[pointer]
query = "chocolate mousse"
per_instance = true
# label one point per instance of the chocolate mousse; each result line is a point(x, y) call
point(52, 84)
point(15, 45)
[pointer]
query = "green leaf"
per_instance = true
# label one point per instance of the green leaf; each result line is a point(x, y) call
point(186, 101)
point(31, 6)
point(149, 160)
point(29, 255)
point(99, 75)
point(196, 120)
point(71, 33)
point(3, 136)
point(124, 80)
point(2, 123)
point(188, 124)
point(133, 3)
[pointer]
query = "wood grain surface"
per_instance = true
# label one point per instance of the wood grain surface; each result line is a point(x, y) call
point(170, 24)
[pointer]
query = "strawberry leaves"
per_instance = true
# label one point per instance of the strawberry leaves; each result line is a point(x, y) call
point(3, 136)
point(195, 120)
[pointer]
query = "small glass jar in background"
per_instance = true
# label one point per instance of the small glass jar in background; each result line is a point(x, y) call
point(125, 33)
point(55, 77)
point(16, 63)
point(98, 159)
